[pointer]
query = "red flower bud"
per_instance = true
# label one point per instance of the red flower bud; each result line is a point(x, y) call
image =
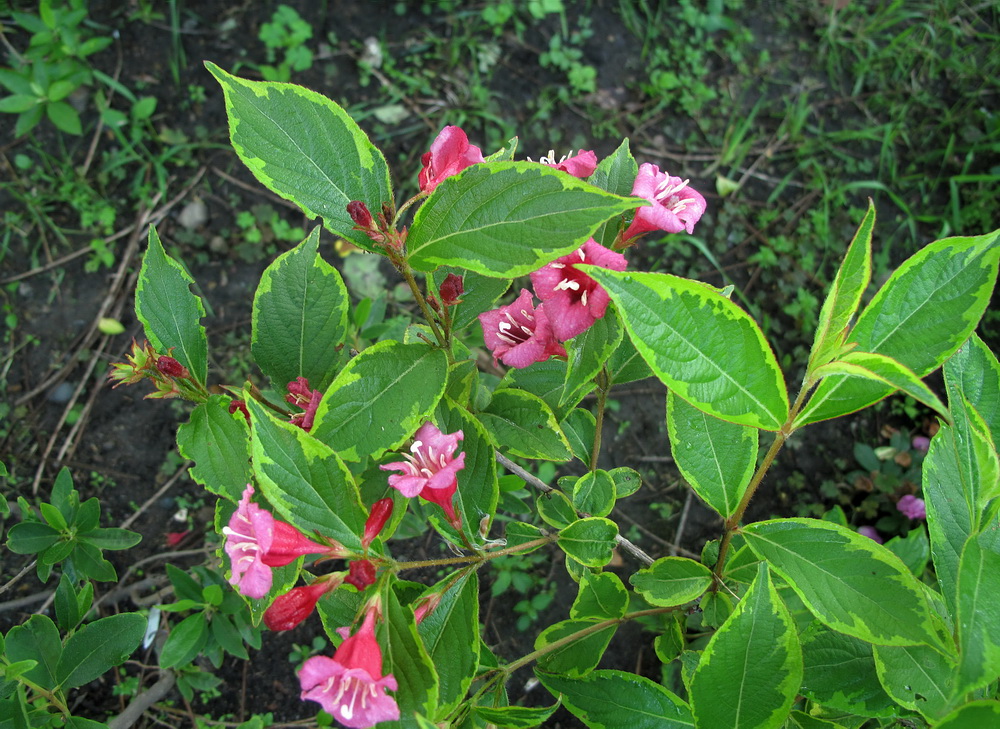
point(235, 405)
point(362, 574)
point(451, 289)
point(171, 367)
point(359, 214)
point(296, 605)
point(425, 606)
point(381, 511)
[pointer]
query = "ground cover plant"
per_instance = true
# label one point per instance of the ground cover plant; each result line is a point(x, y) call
point(201, 628)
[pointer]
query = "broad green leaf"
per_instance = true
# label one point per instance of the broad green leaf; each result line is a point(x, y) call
point(515, 717)
point(518, 532)
point(627, 481)
point(185, 641)
point(601, 596)
point(671, 581)
point(920, 317)
point(701, 345)
point(580, 427)
point(976, 452)
point(849, 582)
point(380, 399)
point(556, 509)
point(716, 457)
point(31, 537)
point(589, 541)
point(170, 313)
point(913, 549)
point(37, 639)
point(523, 424)
point(749, 674)
point(545, 380)
point(983, 714)
point(111, 538)
point(615, 173)
point(407, 660)
point(508, 219)
point(299, 317)
point(89, 560)
point(307, 149)
point(64, 116)
point(450, 634)
point(950, 520)
point(617, 699)
point(975, 371)
point(845, 294)
point(839, 673)
point(98, 647)
point(917, 677)
point(218, 443)
point(627, 365)
point(574, 647)
point(304, 480)
point(589, 351)
point(802, 720)
point(478, 490)
point(594, 493)
point(978, 618)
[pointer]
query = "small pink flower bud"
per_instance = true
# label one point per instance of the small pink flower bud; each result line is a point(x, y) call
point(425, 606)
point(451, 289)
point(360, 214)
point(288, 544)
point(239, 405)
point(361, 574)
point(380, 513)
point(290, 609)
point(171, 367)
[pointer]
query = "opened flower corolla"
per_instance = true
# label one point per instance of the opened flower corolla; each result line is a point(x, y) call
point(450, 153)
point(675, 205)
point(430, 470)
point(520, 334)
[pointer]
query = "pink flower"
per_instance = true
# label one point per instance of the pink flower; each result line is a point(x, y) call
point(911, 507)
point(350, 686)
point(867, 531)
point(921, 443)
point(519, 334)
point(579, 165)
point(430, 470)
point(380, 513)
point(572, 299)
point(301, 395)
point(675, 207)
point(290, 609)
point(450, 154)
point(256, 542)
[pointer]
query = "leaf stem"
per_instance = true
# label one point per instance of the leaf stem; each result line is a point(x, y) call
point(473, 558)
point(602, 398)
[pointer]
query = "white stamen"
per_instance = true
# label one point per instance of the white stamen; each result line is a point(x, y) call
point(583, 297)
point(583, 256)
point(527, 316)
point(504, 326)
point(558, 265)
point(567, 284)
point(507, 340)
point(417, 445)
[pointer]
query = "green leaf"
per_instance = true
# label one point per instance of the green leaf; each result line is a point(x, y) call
point(170, 313)
point(879, 368)
point(589, 352)
point(227, 636)
point(978, 618)
point(839, 673)
point(111, 538)
point(406, 658)
point(88, 559)
point(913, 549)
point(671, 581)
point(917, 677)
point(37, 640)
point(615, 173)
point(481, 293)
point(717, 458)
point(983, 714)
point(185, 641)
point(17, 103)
point(556, 509)
point(701, 345)
point(581, 645)
point(64, 116)
point(845, 294)
point(545, 380)
point(524, 425)
point(380, 398)
point(515, 717)
point(974, 371)
point(307, 149)
point(450, 634)
point(589, 541)
point(98, 647)
point(478, 489)
point(920, 317)
point(849, 582)
point(627, 481)
point(594, 493)
point(31, 537)
point(507, 219)
point(616, 699)
point(750, 672)
point(602, 596)
point(975, 449)
point(580, 426)
point(304, 480)
point(627, 365)
point(299, 317)
point(218, 443)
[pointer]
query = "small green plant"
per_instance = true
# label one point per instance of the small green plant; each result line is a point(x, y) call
point(285, 37)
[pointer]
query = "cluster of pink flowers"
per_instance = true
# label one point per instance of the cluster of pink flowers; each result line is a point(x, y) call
point(520, 333)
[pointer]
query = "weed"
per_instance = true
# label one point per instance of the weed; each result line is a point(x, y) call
point(285, 37)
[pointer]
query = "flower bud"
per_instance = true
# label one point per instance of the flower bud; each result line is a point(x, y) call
point(296, 605)
point(425, 606)
point(288, 544)
point(451, 289)
point(360, 214)
point(361, 574)
point(380, 513)
point(171, 367)
point(239, 405)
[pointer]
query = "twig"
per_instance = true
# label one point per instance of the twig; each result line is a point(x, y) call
point(256, 189)
point(138, 706)
point(682, 523)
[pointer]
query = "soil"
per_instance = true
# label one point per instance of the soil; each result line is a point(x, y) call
point(123, 450)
